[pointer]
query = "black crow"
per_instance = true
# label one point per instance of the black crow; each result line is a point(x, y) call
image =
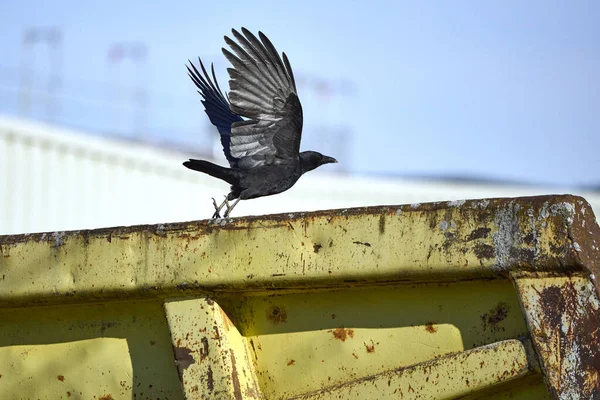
point(263, 150)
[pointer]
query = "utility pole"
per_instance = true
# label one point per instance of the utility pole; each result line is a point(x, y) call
point(52, 38)
point(137, 53)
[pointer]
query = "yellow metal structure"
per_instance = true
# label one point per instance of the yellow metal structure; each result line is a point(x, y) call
point(492, 299)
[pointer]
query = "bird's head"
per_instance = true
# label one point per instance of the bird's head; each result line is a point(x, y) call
point(312, 159)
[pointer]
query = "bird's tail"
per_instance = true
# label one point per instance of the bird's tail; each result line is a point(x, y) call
point(227, 174)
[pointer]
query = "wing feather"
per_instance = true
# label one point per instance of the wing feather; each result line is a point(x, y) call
point(263, 89)
point(216, 106)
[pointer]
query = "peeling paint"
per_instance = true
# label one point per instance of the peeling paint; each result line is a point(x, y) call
point(563, 209)
point(59, 238)
point(456, 203)
point(564, 320)
point(483, 203)
point(506, 234)
point(271, 257)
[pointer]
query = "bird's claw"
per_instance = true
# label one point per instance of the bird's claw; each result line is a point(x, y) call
point(216, 214)
point(226, 204)
point(228, 209)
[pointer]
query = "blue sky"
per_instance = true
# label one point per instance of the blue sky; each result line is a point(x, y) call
point(504, 90)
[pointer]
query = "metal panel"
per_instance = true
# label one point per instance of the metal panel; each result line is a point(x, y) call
point(564, 319)
point(80, 369)
point(431, 242)
point(113, 350)
point(415, 299)
point(328, 338)
point(448, 377)
point(211, 356)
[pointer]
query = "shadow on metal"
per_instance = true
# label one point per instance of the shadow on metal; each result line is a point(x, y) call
point(493, 298)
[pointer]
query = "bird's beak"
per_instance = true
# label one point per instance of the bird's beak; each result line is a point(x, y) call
point(329, 160)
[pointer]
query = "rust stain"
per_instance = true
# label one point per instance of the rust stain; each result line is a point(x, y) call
point(492, 319)
point(277, 315)
point(291, 362)
point(204, 349)
point(568, 326)
point(430, 328)
point(237, 390)
point(342, 334)
point(355, 355)
point(381, 224)
point(316, 247)
point(484, 251)
point(210, 383)
point(60, 378)
point(370, 347)
point(216, 334)
point(226, 320)
point(106, 397)
point(530, 239)
point(333, 316)
point(183, 359)
point(553, 305)
point(366, 244)
point(106, 325)
point(68, 394)
point(253, 349)
point(479, 233)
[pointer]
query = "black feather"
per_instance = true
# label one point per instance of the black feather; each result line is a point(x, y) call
point(216, 106)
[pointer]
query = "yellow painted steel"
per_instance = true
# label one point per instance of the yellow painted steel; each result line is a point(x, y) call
point(432, 242)
point(80, 369)
point(415, 301)
point(211, 356)
point(118, 350)
point(445, 378)
point(302, 342)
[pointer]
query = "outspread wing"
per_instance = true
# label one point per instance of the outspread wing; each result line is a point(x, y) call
point(262, 89)
point(216, 106)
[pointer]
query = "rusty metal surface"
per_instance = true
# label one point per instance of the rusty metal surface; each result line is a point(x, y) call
point(344, 303)
point(448, 377)
point(211, 356)
point(437, 241)
point(564, 319)
point(301, 342)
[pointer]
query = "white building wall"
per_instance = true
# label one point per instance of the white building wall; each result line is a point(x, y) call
point(53, 179)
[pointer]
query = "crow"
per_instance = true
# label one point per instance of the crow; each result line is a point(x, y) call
point(260, 121)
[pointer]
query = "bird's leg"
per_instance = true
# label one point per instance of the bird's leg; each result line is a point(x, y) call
point(218, 209)
point(230, 208)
